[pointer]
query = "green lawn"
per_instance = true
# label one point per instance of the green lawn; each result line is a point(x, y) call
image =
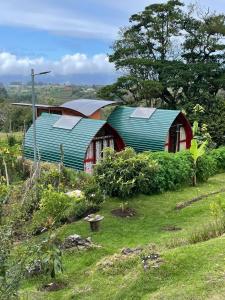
point(188, 272)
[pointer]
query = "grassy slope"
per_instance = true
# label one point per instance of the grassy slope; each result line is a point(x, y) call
point(189, 272)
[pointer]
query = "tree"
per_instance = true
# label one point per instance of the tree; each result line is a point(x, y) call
point(141, 50)
point(182, 53)
point(3, 93)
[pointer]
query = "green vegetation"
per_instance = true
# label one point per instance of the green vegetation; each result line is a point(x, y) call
point(168, 52)
point(41, 208)
point(188, 272)
point(14, 118)
point(171, 233)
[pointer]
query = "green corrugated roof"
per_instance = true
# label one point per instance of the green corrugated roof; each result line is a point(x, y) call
point(143, 134)
point(75, 142)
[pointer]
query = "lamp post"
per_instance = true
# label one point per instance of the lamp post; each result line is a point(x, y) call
point(34, 113)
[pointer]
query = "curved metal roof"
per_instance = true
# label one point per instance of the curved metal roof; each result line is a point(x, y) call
point(75, 141)
point(87, 106)
point(143, 134)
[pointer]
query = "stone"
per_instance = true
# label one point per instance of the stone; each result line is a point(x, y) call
point(77, 241)
point(128, 251)
point(34, 269)
point(152, 260)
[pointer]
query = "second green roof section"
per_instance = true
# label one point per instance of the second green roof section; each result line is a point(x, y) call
point(152, 129)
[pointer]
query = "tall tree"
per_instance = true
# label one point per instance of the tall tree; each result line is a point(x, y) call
point(170, 55)
point(141, 50)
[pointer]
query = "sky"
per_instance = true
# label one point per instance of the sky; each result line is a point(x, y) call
point(69, 37)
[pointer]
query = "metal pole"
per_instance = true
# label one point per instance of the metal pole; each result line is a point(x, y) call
point(34, 119)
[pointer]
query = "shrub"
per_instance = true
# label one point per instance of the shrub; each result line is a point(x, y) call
point(206, 167)
point(54, 206)
point(4, 190)
point(125, 173)
point(50, 175)
point(219, 156)
point(92, 191)
point(67, 178)
point(11, 139)
point(175, 169)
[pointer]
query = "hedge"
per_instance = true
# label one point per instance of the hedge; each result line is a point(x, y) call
point(126, 173)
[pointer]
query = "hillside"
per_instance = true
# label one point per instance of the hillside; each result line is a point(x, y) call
point(183, 271)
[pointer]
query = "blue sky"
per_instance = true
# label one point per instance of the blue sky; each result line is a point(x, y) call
point(72, 37)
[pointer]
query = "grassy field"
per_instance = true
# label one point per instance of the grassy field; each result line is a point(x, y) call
point(187, 272)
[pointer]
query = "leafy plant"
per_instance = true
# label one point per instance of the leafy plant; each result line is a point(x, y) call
point(52, 256)
point(174, 170)
point(54, 207)
point(11, 266)
point(197, 151)
point(125, 174)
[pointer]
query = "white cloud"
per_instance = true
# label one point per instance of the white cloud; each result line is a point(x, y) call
point(77, 63)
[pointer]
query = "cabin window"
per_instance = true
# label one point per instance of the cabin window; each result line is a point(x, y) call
point(95, 151)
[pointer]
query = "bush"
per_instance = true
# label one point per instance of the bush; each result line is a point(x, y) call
point(206, 167)
point(219, 156)
point(125, 173)
point(54, 206)
point(67, 178)
point(175, 169)
point(92, 192)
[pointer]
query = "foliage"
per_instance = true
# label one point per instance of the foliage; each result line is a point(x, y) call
point(144, 50)
point(206, 167)
point(173, 56)
point(217, 209)
point(66, 178)
point(92, 191)
point(51, 256)
point(53, 207)
point(174, 170)
point(182, 273)
point(208, 231)
point(11, 268)
point(219, 156)
point(196, 152)
point(8, 158)
point(124, 174)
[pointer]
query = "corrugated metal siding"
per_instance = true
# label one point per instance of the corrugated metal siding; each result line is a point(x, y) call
point(143, 134)
point(75, 142)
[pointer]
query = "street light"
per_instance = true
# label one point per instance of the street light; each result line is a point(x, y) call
point(34, 113)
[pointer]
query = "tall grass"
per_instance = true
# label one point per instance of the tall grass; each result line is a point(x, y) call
point(204, 232)
point(208, 231)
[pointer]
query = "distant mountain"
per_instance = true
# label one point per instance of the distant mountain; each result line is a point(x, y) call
point(88, 79)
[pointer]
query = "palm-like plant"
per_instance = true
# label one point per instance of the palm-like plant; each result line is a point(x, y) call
point(197, 150)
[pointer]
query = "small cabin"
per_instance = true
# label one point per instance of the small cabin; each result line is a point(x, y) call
point(151, 129)
point(77, 128)
point(78, 141)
